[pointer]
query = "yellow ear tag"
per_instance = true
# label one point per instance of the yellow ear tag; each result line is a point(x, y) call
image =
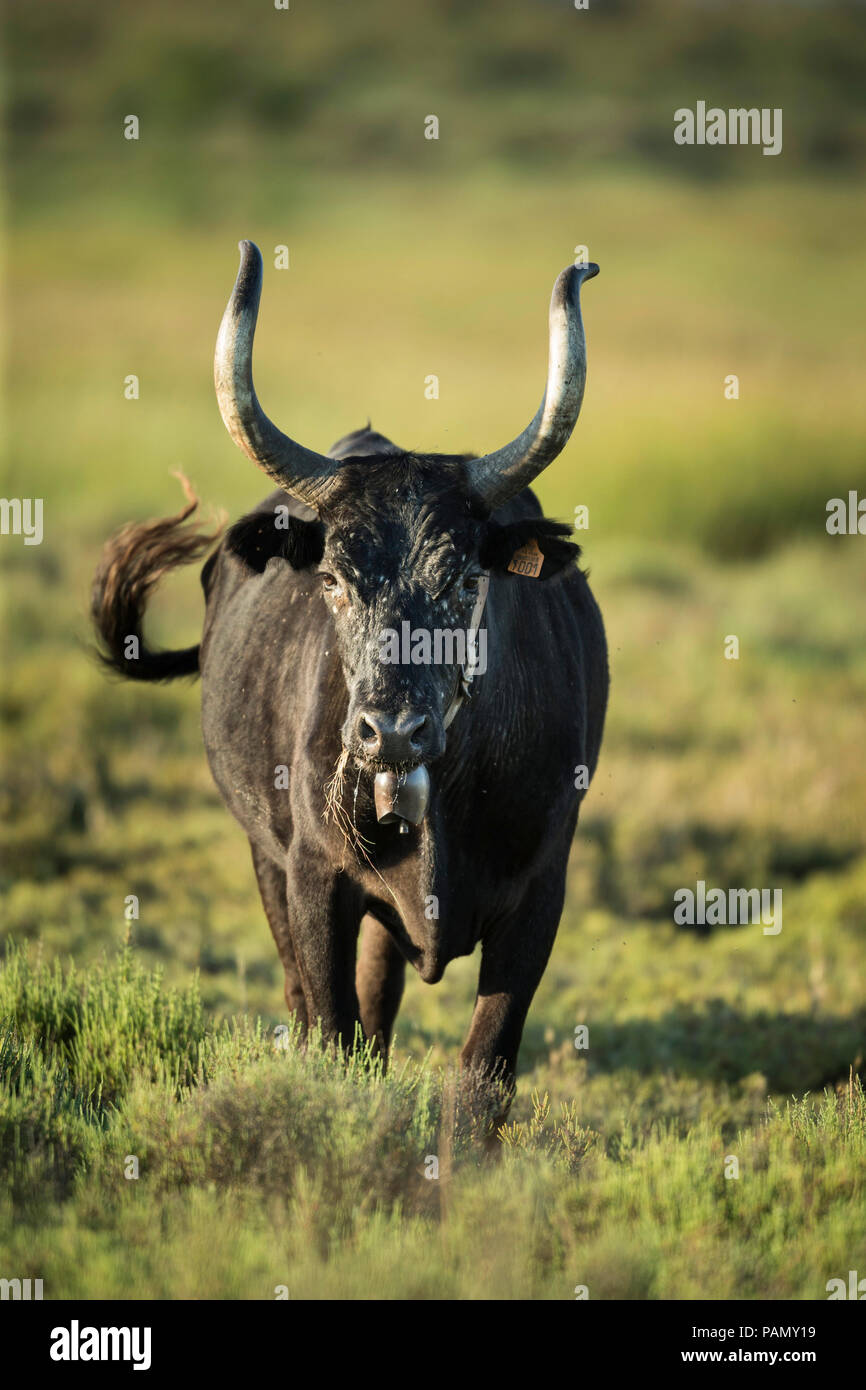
point(527, 560)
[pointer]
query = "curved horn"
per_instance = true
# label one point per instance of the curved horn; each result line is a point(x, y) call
point(501, 475)
point(306, 475)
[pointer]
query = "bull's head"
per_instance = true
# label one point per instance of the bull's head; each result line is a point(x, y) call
point(403, 542)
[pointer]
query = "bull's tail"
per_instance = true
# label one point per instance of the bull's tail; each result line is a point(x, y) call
point(132, 563)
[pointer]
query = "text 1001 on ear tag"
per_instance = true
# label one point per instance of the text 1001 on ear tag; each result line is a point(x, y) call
point(527, 560)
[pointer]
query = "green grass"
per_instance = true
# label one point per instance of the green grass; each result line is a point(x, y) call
point(260, 1166)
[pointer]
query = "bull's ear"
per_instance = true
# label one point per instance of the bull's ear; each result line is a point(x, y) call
point(207, 572)
point(256, 538)
point(502, 542)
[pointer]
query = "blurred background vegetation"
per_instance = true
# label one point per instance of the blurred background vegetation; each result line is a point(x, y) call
point(409, 257)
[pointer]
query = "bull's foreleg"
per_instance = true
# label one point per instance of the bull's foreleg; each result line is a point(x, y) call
point(514, 955)
point(324, 915)
point(272, 887)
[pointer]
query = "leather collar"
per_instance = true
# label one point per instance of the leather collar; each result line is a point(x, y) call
point(467, 672)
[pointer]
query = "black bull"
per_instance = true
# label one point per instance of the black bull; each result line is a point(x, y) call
point(300, 712)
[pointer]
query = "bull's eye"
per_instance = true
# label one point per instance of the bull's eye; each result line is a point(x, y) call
point(330, 583)
point(469, 583)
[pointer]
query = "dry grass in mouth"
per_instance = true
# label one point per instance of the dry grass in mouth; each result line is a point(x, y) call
point(336, 812)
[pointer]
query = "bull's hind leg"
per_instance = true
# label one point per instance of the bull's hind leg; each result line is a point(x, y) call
point(272, 886)
point(379, 980)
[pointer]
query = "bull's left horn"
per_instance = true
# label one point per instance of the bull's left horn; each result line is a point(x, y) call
point(501, 475)
point(305, 474)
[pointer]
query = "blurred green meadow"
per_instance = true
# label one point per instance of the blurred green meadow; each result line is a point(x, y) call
point(411, 257)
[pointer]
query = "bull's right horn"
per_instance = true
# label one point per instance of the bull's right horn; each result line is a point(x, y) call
point(301, 472)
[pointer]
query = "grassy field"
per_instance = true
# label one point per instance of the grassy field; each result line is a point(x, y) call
point(260, 1166)
point(237, 1169)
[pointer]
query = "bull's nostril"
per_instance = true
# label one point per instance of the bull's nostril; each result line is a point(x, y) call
point(393, 738)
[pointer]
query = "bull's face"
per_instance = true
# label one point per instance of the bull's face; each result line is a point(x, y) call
point(402, 553)
point(400, 577)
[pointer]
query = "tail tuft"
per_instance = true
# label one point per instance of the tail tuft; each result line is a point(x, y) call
point(132, 563)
